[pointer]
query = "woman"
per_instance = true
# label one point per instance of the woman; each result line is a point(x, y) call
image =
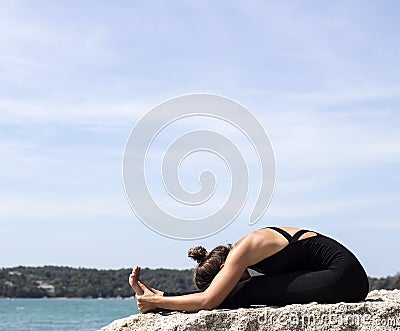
point(298, 266)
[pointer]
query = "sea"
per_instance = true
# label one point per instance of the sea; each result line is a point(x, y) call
point(62, 314)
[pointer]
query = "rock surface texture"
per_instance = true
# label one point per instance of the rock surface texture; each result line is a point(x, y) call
point(380, 311)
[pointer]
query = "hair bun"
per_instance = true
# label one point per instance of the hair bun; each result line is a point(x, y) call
point(198, 254)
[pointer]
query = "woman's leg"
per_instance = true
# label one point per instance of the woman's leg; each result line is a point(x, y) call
point(295, 287)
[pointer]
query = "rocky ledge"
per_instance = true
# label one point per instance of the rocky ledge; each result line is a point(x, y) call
point(380, 311)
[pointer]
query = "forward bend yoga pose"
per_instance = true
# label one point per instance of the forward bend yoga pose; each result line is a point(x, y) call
point(297, 266)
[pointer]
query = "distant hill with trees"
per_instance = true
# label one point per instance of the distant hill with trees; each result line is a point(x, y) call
point(53, 281)
point(387, 283)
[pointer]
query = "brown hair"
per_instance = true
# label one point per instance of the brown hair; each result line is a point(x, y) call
point(209, 263)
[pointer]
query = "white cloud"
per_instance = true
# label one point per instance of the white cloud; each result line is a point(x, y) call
point(320, 138)
point(93, 114)
point(313, 206)
point(74, 207)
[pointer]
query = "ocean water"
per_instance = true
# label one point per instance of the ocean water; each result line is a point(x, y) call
point(62, 314)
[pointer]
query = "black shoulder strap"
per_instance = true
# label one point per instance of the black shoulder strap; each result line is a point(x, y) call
point(282, 232)
point(298, 234)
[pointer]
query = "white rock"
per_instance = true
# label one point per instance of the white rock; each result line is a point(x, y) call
point(380, 311)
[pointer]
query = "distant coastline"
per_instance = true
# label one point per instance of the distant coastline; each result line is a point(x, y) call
point(56, 282)
point(68, 282)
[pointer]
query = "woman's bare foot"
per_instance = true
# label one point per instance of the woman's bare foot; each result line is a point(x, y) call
point(133, 280)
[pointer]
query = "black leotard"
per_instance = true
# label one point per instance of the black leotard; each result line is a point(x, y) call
point(316, 268)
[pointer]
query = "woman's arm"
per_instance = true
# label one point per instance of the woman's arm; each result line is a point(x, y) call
point(225, 281)
point(172, 294)
point(244, 253)
point(149, 301)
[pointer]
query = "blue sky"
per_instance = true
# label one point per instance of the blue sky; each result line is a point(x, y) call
point(75, 76)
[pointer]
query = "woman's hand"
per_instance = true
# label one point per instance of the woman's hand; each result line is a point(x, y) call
point(146, 302)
